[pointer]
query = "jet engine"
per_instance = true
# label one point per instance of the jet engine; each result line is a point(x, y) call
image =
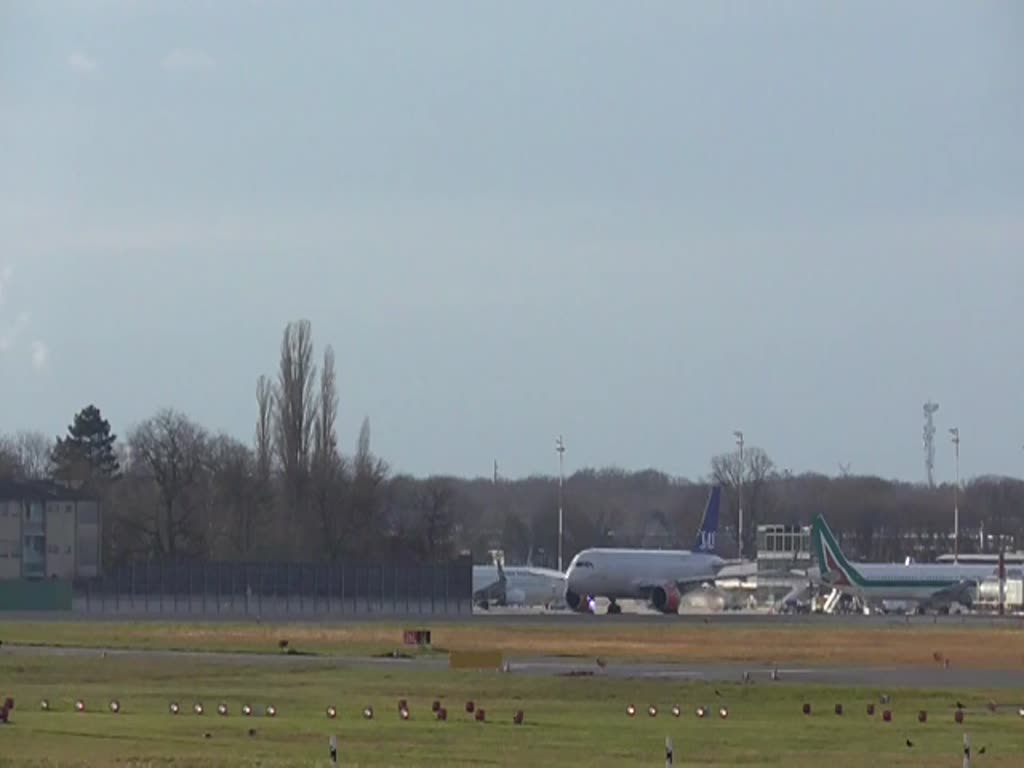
point(666, 598)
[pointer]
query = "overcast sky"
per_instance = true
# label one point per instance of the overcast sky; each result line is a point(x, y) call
point(641, 224)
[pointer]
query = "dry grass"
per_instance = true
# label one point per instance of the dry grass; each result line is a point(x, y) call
point(965, 646)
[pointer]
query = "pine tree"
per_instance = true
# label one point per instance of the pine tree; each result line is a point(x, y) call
point(86, 456)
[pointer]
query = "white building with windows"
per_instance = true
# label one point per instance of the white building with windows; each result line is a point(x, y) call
point(48, 532)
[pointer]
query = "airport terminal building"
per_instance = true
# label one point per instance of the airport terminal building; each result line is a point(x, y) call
point(49, 532)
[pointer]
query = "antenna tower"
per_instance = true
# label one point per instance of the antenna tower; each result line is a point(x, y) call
point(929, 441)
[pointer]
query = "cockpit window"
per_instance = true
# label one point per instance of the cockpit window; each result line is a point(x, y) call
point(584, 564)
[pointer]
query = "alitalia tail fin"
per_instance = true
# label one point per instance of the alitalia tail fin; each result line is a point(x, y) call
point(832, 563)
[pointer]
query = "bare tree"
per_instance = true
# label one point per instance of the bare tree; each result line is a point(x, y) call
point(296, 409)
point(437, 517)
point(10, 460)
point(264, 427)
point(325, 437)
point(367, 498)
point(754, 473)
point(35, 450)
point(329, 481)
point(236, 495)
point(25, 456)
point(174, 452)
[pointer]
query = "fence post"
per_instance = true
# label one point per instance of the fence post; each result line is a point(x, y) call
point(967, 751)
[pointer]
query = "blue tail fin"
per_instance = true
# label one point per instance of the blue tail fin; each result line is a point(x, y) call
point(709, 523)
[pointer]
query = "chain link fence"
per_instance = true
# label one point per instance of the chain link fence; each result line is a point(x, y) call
point(279, 590)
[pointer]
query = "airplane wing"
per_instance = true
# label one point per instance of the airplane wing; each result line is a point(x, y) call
point(955, 593)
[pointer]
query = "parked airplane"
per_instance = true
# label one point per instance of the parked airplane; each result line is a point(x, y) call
point(659, 576)
point(925, 584)
point(517, 585)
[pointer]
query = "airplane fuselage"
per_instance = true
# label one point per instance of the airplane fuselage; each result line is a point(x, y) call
point(634, 574)
point(916, 582)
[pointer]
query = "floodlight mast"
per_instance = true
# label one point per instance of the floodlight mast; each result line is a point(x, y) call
point(560, 448)
point(929, 441)
point(955, 432)
point(739, 441)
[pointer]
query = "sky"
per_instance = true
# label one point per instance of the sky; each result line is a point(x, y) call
point(641, 225)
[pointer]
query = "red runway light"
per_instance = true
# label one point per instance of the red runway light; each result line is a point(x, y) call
point(470, 706)
point(480, 716)
point(959, 716)
point(887, 715)
point(807, 709)
point(518, 717)
point(922, 716)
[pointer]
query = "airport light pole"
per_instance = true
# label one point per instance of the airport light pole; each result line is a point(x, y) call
point(739, 496)
point(955, 432)
point(560, 447)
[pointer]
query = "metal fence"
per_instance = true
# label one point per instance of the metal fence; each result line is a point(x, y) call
point(280, 590)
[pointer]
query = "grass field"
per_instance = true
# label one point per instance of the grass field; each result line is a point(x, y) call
point(569, 721)
point(967, 647)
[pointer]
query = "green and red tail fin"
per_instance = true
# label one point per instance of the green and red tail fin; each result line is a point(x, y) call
point(831, 559)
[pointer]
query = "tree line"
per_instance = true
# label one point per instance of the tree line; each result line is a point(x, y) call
point(171, 490)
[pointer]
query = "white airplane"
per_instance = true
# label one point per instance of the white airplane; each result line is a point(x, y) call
point(517, 585)
point(659, 576)
point(925, 584)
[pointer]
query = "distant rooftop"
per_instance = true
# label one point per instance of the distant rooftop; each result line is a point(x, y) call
point(46, 490)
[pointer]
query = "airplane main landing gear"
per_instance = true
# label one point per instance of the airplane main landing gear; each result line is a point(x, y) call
point(614, 609)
